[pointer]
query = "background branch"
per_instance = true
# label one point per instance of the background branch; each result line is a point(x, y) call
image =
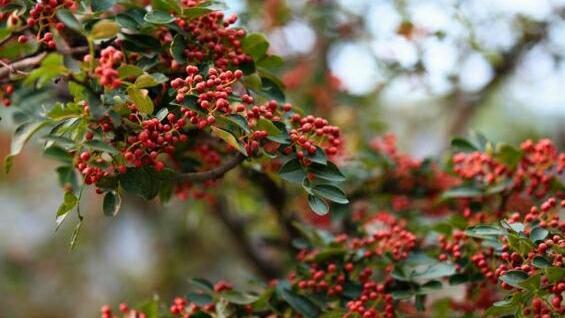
point(263, 265)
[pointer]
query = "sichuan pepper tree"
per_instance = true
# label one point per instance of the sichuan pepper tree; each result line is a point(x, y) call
point(166, 97)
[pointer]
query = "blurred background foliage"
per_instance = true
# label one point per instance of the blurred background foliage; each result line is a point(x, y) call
point(425, 70)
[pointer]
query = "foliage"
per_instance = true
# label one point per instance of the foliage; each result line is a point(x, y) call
point(167, 98)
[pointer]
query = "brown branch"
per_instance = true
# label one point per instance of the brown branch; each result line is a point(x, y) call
point(22, 64)
point(264, 266)
point(467, 105)
point(277, 198)
point(35, 60)
point(213, 173)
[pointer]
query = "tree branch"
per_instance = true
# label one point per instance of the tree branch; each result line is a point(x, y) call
point(33, 61)
point(469, 104)
point(213, 173)
point(277, 198)
point(264, 266)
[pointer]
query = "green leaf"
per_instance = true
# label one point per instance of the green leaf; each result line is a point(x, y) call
point(199, 298)
point(328, 172)
point(435, 271)
point(104, 29)
point(514, 278)
point(482, 231)
point(541, 262)
point(68, 19)
point(101, 5)
point(67, 177)
point(141, 181)
point(462, 145)
point(51, 67)
point(112, 203)
point(195, 12)
point(508, 155)
point(239, 120)
point(128, 70)
point(318, 205)
point(318, 157)
point(502, 308)
point(300, 303)
point(99, 145)
point(58, 153)
point(464, 191)
point(272, 89)
point(255, 45)
point(270, 62)
point(555, 274)
point(69, 202)
point(177, 48)
point(228, 138)
point(331, 193)
point(538, 234)
point(532, 283)
point(202, 284)
point(145, 80)
point(273, 132)
point(292, 171)
point(238, 298)
point(22, 134)
point(166, 5)
point(158, 17)
point(141, 99)
point(162, 113)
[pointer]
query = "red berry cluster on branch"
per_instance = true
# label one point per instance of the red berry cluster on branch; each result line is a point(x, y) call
point(214, 40)
point(106, 70)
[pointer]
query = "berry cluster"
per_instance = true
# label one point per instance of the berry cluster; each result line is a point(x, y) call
point(5, 92)
point(214, 40)
point(106, 70)
point(212, 91)
point(310, 132)
point(540, 163)
point(155, 138)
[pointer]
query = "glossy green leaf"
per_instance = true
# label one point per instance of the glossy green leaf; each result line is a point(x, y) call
point(158, 17)
point(177, 48)
point(128, 70)
point(300, 303)
point(319, 206)
point(514, 278)
point(104, 29)
point(141, 99)
point(229, 139)
point(331, 193)
point(99, 145)
point(69, 202)
point(292, 171)
point(69, 20)
point(22, 134)
point(255, 44)
point(462, 145)
point(237, 297)
point(328, 172)
point(112, 203)
point(141, 181)
point(538, 234)
point(101, 5)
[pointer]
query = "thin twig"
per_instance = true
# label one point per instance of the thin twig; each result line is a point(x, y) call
point(213, 173)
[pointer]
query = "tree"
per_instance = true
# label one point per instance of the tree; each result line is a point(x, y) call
point(168, 98)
